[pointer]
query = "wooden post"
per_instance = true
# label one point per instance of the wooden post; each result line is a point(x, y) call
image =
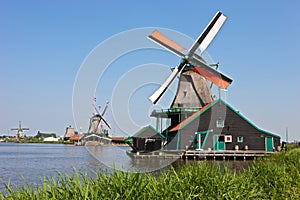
point(287, 135)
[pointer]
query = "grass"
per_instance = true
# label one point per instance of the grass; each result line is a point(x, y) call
point(275, 177)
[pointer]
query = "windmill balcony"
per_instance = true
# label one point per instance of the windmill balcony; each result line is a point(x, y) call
point(174, 111)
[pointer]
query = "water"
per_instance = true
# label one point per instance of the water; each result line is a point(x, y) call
point(34, 161)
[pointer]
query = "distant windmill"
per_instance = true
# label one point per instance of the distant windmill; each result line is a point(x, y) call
point(19, 130)
point(96, 119)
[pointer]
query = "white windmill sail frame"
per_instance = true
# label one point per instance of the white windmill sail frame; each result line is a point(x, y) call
point(202, 42)
point(156, 95)
point(211, 35)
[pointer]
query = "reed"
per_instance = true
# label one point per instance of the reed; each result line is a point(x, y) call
point(275, 177)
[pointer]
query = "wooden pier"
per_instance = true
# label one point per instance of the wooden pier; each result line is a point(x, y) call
point(202, 154)
point(225, 155)
point(156, 154)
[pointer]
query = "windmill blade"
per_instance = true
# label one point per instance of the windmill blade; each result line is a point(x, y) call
point(209, 33)
point(105, 109)
point(105, 122)
point(158, 93)
point(101, 118)
point(218, 78)
point(217, 66)
point(167, 43)
point(175, 48)
point(197, 57)
point(25, 129)
point(96, 109)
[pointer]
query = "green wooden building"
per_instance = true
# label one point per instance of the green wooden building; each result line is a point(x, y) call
point(215, 126)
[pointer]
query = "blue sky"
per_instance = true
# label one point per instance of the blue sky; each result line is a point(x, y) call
point(44, 43)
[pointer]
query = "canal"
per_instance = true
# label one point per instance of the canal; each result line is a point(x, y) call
point(32, 162)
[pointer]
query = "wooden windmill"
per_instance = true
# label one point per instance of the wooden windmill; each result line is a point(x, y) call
point(194, 90)
point(96, 120)
point(19, 130)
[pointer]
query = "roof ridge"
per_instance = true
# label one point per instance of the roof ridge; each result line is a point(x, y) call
point(143, 129)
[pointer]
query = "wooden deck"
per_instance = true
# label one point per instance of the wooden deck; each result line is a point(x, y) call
point(202, 154)
point(225, 155)
point(156, 154)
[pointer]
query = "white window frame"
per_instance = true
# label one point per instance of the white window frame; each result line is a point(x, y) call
point(230, 138)
point(220, 123)
point(240, 139)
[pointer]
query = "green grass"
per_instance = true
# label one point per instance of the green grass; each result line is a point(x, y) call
point(276, 177)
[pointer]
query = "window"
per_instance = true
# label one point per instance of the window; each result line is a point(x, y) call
point(240, 139)
point(221, 138)
point(228, 138)
point(184, 93)
point(220, 123)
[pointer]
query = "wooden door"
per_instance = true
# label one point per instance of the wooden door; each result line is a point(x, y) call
point(219, 143)
point(269, 143)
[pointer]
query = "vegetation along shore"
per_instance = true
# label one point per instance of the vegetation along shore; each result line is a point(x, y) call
point(274, 177)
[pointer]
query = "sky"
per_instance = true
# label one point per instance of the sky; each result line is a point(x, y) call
point(46, 46)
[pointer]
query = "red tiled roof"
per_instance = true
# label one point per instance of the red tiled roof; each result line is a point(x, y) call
point(76, 137)
point(117, 138)
point(181, 124)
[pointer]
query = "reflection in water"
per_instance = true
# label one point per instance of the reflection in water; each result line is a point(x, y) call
point(112, 157)
point(115, 157)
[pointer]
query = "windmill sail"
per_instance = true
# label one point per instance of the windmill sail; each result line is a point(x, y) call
point(167, 43)
point(158, 93)
point(209, 33)
point(199, 66)
point(217, 77)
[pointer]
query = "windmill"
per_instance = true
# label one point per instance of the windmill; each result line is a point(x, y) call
point(96, 119)
point(19, 130)
point(194, 73)
point(209, 128)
